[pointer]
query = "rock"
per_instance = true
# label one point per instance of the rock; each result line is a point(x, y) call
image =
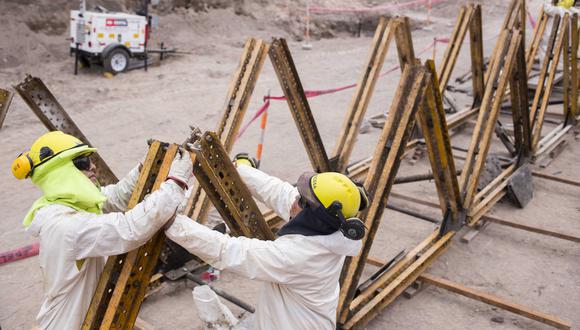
point(365, 127)
point(497, 319)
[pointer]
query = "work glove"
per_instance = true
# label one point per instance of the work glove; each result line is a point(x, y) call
point(181, 170)
point(244, 159)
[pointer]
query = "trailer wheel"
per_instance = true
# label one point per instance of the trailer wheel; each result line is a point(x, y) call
point(117, 61)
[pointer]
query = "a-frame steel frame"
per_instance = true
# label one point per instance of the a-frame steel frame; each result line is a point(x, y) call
point(562, 41)
point(469, 19)
point(509, 69)
point(113, 308)
point(417, 98)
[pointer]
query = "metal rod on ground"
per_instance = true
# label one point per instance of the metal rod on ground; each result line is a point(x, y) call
point(412, 213)
point(555, 178)
point(222, 294)
point(418, 177)
point(77, 59)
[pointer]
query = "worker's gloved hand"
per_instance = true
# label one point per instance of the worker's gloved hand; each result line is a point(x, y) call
point(181, 170)
point(244, 159)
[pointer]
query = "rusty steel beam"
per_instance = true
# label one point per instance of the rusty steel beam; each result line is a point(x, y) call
point(116, 265)
point(43, 103)
point(408, 99)
point(220, 180)
point(236, 105)
point(364, 91)
point(290, 82)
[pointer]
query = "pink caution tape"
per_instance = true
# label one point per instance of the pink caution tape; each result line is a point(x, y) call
point(20, 253)
point(395, 6)
point(314, 93)
point(531, 18)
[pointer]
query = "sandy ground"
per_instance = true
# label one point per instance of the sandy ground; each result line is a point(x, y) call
point(118, 115)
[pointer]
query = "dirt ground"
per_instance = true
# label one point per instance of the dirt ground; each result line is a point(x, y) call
point(118, 115)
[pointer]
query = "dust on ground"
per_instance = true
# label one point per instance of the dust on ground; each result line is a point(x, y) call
point(118, 115)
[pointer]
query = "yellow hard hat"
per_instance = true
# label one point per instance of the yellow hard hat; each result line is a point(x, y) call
point(326, 188)
point(566, 4)
point(43, 149)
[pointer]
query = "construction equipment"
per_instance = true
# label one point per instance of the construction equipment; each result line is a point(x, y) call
point(112, 39)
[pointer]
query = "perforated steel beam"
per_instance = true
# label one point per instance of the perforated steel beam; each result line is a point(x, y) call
point(43, 103)
point(119, 275)
point(236, 104)
point(298, 104)
point(220, 180)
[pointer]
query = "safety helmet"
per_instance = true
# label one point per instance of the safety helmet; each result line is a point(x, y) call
point(326, 188)
point(45, 148)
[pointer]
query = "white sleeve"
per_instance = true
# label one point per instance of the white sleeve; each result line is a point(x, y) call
point(119, 194)
point(249, 257)
point(273, 192)
point(117, 232)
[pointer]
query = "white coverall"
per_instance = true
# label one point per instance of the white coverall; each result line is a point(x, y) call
point(67, 235)
point(299, 273)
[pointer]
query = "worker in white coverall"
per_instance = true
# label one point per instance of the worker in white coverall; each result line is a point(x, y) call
point(300, 270)
point(79, 224)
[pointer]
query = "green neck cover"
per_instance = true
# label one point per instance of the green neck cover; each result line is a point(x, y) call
point(62, 183)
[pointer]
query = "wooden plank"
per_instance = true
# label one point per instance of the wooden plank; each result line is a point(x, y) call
point(51, 113)
point(298, 104)
point(496, 301)
point(364, 91)
point(384, 166)
point(5, 100)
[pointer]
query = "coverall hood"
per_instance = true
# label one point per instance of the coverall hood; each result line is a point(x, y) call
point(62, 183)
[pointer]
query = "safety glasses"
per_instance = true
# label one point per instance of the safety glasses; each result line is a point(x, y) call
point(83, 163)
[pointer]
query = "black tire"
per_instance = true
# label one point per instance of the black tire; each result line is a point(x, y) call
point(117, 61)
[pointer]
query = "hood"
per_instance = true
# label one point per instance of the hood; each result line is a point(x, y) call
point(62, 183)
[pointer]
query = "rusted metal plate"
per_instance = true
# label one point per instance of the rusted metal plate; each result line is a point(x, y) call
point(43, 103)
